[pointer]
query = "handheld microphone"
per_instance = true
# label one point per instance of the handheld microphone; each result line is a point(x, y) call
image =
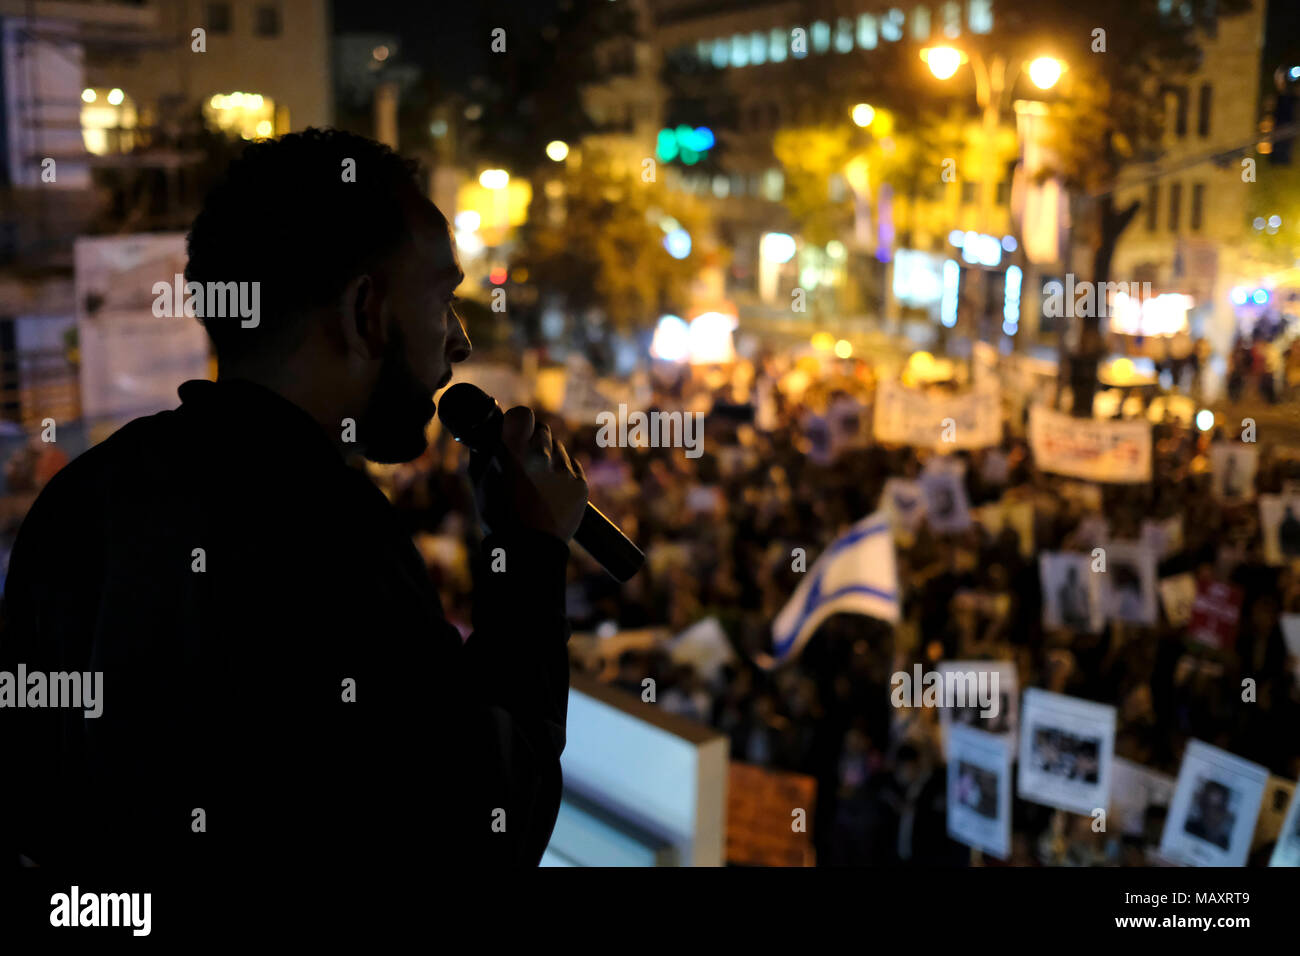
point(474, 418)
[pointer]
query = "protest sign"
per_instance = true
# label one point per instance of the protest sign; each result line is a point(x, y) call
point(1214, 809)
point(1066, 746)
point(762, 808)
point(1112, 451)
point(1072, 597)
point(932, 419)
point(979, 790)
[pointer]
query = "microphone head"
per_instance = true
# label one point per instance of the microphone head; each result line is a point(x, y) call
point(471, 415)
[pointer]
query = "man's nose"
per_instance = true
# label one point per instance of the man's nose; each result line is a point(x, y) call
point(459, 346)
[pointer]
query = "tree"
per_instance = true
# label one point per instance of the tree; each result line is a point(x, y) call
point(1110, 111)
point(607, 250)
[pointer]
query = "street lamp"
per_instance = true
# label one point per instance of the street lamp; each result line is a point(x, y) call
point(863, 114)
point(991, 86)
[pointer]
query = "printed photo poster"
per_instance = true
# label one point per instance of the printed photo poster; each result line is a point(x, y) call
point(947, 509)
point(1135, 789)
point(1286, 852)
point(904, 501)
point(1130, 583)
point(1272, 811)
point(1178, 594)
point(1003, 723)
point(1291, 637)
point(979, 790)
point(1215, 807)
point(1072, 594)
point(1232, 470)
point(1066, 751)
point(1163, 537)
point(1279, 522)
point(1215, 614)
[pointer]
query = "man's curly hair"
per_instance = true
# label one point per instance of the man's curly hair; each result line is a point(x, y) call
point(284, 216)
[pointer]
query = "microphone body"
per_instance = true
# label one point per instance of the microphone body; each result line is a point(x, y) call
point(474, 418)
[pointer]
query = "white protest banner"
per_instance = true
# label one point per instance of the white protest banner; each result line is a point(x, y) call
point(904, 416)
point(135, 347)
point(1112, 451)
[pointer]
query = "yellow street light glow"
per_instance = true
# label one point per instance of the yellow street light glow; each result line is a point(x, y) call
point(264, 128)
point(1045, 71)
point(557, 149)
point(943, 60)
point(218, 102)
point(843, 348)
point(116, 96)
point(494, 179)
point(87, 95)
point(863, 114)
point(823, 341)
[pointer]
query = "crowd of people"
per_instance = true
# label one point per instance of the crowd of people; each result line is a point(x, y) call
point(790, 468)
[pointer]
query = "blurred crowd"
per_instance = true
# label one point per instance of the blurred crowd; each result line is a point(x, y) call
point(788, 463)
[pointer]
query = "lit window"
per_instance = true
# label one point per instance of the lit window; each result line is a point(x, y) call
point(739, 50)
point(891, 27)
point(843, 35)
point(952, 19)
point(798, 42)
point(757, 47)
point(703, 51)
point(980, 15)
point(108, 123)
point(867, 32)
point(247, 115)
point(773, 185)
point(921, 23)
point(777, 45)
point(721, 53)
point(821, 36)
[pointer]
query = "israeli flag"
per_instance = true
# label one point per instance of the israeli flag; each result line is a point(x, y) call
point(856, 575)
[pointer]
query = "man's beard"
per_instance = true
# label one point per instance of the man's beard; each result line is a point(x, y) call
point(392, 427)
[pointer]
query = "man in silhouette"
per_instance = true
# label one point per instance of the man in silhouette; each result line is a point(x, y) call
point(280, 687)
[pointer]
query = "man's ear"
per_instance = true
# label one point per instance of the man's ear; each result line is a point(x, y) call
point(360, 318)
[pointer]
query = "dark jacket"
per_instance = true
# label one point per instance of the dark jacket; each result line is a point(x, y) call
point(224, 688)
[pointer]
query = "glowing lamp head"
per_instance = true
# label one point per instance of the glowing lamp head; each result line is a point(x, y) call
point(776, 247)
point(863, 114)
point(942, 60)
point(1046, 71)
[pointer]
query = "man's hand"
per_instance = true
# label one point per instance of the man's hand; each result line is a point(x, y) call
point(531, 483)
